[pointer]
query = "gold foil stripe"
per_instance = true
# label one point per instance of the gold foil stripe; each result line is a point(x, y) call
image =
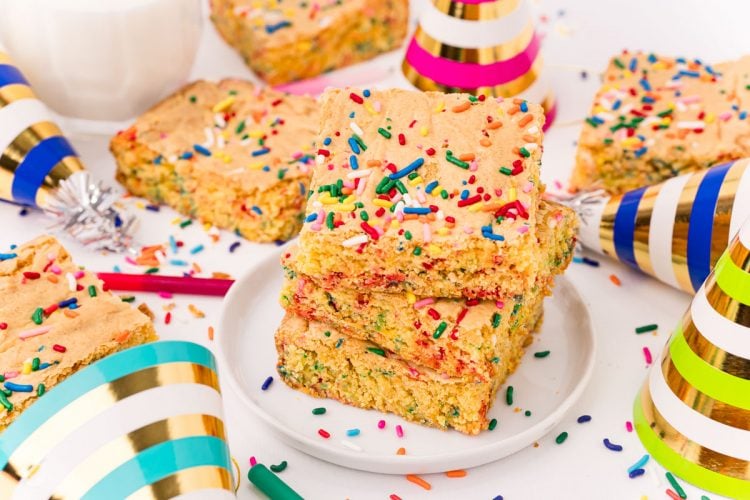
point(739, 254)
point(714, 409)
point(36, 446)
point(186, 481)
point(484, 55)
point(476, 12)
point(15, 92)
point(509, 89)
point(725, 305)
point(607, 226)
point(680, 231)
point(690, 450)
point(5, 58)
point(711, 354)
point(723, 211)
point(121, 449)
point(642, 229)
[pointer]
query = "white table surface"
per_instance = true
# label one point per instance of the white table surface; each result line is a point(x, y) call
point(580, 33)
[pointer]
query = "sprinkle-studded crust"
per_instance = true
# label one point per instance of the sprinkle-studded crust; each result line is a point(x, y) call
point(229, 153)
point(431, 193)
point(657, 117)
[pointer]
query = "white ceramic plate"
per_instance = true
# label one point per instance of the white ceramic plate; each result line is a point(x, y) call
point(547, 387)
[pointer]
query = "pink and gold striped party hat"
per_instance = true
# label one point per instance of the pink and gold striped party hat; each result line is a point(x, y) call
point(480, 47)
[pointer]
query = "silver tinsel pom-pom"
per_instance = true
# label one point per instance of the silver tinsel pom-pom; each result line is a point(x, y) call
point(85, 210)
point(582, 203)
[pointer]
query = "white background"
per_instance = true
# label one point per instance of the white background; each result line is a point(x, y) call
point(582, 34)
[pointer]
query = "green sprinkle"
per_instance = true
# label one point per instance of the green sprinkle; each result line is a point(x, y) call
point(193, 98)
point(384, 133)
point(129, 298)
point(619, 63)
point(560, 439)
point(509, 395)
point(593, 123)
point(449, 156)
point(278, 468)
point(329, 221)
point(444, 194)
point(676, 485)
point(2, 377)
point(541, 354)
point(400, 187)
point(281, 173)
point(417, 251)
point(407, 235)
point(359, 141)
point(38, 315)
point(439, 330)
point(327, 333)
point(339, 342)
point(240, 127)
point(382, 185)
point(363, 215)
point(376, 350)
point(495, 360)
point(318, 411)
point(524, 152)
point(496, 318)
point(505, 170)
point(4, 401)
point(186, 223)
point(493, 424)
point(473, 98)
point(40, 390)
point(92, 290)
point(35, 364)
point(527, 413)
point(646, 328)
point(151, 270)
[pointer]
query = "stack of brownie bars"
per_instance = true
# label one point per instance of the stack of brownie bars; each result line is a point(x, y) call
point(425, 255)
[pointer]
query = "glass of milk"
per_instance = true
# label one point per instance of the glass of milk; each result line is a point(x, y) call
point(103, 60)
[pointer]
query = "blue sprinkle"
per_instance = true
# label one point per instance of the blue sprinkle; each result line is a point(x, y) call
point(260, 152)
point(430, 187)
point(633, 64)
point(44, 365)
point(411, 167)
point(266, 384)
point(272, 28)
point(616, 105)
point(743, 115)
point(584, 418)
point(186, 155)
point(353, 432)
point(353, 162)
point(524, 106)
point(158, 160)
point(487, 233)
point(640, 152)
point(499, 497)
point(116, 268)
point(13, 246)
point(311, 217)
point(118, 221)
point(327, 141)
point(302, 189)
point(339, 342)
point(639, 464)
point(153, 208)
point(172, 244)
point(257, 210)
point(464, 194)
point(353, 144)
point(266, 168)
point(366, 92)
point(73, 306)
point(635, 473)
point(200, 149)
point(417, 210)
point(648, 100)
point(41, 348)
point(18, 387)
point(612, 446)
point(6, 256)
point(578, 260)
point(234, 246)
point(735, 107)
point(67, 302)
point(597, 120)
point(646, 86)
point(651, 58)
point(196, 249)
point(23, 212)
point(352, 114)
point(178, 262)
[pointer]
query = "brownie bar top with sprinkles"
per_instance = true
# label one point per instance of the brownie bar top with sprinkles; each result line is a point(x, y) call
point(656, 117)
point(233, 154)
point(431, 193)
point(55, 318)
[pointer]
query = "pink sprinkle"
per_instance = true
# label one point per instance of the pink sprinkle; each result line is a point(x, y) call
point(647, 355)
point(165, 295)
point(55, 269)
point(130, 260)
point(523, 229)
point(414, 373)
point(725, 116)
point(558, 185)
point(381, 424)
point(427, 233)
point(253, 462)
point(9, 375)
point(629, 426)
point(34, 332)
point(79, 274)
point(399, 431)
point(528, 187)
point(468, 230)
point(423, 303)
point(499, 304)
point(473, 166)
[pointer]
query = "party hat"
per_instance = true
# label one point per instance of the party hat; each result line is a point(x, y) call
point(693, 412)
point(39, 168)
point(675, 230)
point(481, 47)
point(145, 422)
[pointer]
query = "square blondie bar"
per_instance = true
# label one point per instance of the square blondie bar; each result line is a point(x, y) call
point(434, 194)
point(294, 40)
point(55, 318)
point(228, 153)
point(322, 362)
point(657, 117)
point(454, 337)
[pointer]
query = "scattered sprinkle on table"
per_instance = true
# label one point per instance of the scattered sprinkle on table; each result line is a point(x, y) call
point(647, 355)
point(278, 468)
point(319, 411)
point(614, 279)
point(456, 473)
point(676, 485)
point(266, 384)
point(560, 439)
point(492, 425)
point(636, 473)
point(352, 432)
point(583, 419)
point(210, 333)
point(394, 497)
point(646, 328)
point(401, 451)
point(639, 464)
point(541, 354)
point(509, 395)
point(324, 433)
point(629, 426)
point(419, 481)
point(381, 424)
point(611, 446)
point(399, 431)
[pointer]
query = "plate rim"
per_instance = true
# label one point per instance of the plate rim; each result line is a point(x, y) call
point(481, 455)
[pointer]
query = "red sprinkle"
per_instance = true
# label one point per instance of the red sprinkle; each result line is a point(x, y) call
point(370, 230)
point(168, 318)
point(3, 325)
point(470, 200)
point(354, 97)
point(433, 313)
point(671, 494)
point(59, 348)
point(394, 497)
point(402, 139)
point(324, 433)
point(31, 275)
point(51, 309)
point(430, 151)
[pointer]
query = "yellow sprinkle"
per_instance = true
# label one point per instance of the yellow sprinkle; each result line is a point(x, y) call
point(327, 199)
point(416, 181)
point(370, 109)
point(598, 109)
point(343, 207)
point(411, 298)
point(630, 142)
point(440, 107)
point(139, 205)
point(512, 194)
point(349, 199)
point(395, 224)
point(658, 65)
point(500, 112)
point(26, 367)
point(710, 118)
point(223, 105)
point(196, 312)
point(443, 231)
point(206, 226)
point(378, 202)
point(256, 134)
point(225, 134)
point(476, 207)
point(256, 166)
point(434, 249)
point(424, 131)
point(289, 12)
point(304, 45)
point(176, 220)
point(438, 189)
